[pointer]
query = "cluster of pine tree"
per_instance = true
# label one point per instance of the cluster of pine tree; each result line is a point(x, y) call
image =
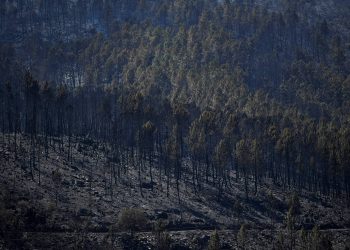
point(202, 90)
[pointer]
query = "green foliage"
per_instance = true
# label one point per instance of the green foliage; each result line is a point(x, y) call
point(214, 242)
point(162, 238)
point(294, 204)
point(149, 127)
point(290, 224)
point(280, 243)
point(18, 215)
point(132, 219)
point(242, 237)
point(304, 239)
point(290, 220)
point(163, 241)
point(320, 241)
point(315, 238)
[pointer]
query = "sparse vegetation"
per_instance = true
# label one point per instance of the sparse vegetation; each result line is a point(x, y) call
point(242, 237)
point(294, 204)
point(214, 242)
point(280, 243)
point(132, 220)
point(162, 238)
point(315, 238)
point(290, 223)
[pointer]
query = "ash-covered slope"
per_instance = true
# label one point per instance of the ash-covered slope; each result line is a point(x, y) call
point(89, 196)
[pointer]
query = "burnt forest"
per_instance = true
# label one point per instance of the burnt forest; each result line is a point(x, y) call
point(175, 124)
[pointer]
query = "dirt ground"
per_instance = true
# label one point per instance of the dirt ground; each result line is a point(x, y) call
point(84, 206)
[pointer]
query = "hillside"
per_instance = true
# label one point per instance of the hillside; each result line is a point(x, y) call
point(84, 200)
point(165, 120)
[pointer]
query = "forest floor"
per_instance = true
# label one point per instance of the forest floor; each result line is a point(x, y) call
point(79, 209)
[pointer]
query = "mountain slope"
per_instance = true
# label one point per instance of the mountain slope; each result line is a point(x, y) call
point(87, 196)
